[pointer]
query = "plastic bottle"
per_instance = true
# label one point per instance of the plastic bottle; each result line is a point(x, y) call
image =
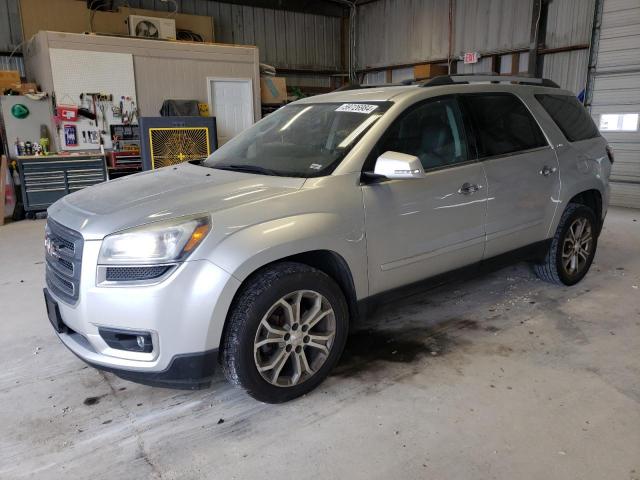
point(19, 147)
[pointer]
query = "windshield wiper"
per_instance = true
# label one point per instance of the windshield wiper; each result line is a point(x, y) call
point(248, 169)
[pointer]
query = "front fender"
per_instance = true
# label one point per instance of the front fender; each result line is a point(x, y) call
point(249, 249)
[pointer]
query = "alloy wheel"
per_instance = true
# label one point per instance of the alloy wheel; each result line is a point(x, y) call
point(294, 338)
point(577, 246)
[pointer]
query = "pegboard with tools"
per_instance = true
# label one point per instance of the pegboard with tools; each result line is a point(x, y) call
point(92, 91)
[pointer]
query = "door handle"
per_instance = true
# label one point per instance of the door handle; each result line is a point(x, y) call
point(546, 171)
point(469, 188)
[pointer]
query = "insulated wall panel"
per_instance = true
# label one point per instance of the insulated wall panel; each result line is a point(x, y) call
point(567, 69)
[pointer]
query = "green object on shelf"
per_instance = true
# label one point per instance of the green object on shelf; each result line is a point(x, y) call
point(19, 111)
point(298, 93)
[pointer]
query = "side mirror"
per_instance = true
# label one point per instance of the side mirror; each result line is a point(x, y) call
point(396, 165)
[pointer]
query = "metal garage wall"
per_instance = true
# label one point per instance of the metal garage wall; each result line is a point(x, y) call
point(569, 23)
point(396, 32)
point(617, 90)
point(491, 25)
point(13, 63)
point(10, 31)
point(10, 36)
point(567, 69)
point(285, 39)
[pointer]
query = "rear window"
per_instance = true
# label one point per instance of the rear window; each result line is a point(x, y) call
point(502, 124)
point(571, 117)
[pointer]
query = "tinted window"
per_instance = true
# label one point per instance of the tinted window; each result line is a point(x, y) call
point(432, 131)
point(570, 116)
point(502, 124)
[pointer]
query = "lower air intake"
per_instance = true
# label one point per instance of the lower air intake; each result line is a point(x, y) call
point(132, 274)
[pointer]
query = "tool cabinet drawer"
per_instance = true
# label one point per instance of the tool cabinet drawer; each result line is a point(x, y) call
point(47, 179)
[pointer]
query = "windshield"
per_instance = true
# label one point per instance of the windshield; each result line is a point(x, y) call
point(304, 140)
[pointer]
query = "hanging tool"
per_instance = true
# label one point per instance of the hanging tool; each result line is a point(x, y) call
point(92, 101)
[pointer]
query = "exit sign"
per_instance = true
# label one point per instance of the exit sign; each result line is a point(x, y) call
point(471, 57)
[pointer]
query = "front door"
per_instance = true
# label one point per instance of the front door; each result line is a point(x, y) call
point(523, 182)
point(419, 228)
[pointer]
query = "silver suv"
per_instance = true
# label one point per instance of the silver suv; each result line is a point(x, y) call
point(261, 256)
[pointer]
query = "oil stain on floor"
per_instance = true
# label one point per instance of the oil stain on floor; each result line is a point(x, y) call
point(371, 349)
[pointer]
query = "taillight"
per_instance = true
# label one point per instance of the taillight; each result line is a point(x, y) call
point(610, 153)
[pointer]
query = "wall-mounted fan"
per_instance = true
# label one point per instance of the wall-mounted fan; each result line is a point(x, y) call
point(145, 28)
point(152, 27)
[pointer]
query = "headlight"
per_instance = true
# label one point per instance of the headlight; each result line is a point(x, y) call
point(155, 243)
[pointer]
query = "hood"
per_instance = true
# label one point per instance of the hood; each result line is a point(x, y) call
point(162, 194)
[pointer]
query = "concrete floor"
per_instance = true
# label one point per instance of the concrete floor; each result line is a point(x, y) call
point(499, 377)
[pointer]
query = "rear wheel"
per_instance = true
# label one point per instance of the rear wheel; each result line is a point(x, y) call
point(572, 248)
point(286, 331)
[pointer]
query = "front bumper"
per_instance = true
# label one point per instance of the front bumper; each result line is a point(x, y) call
point(184, 314)
point(189, 371)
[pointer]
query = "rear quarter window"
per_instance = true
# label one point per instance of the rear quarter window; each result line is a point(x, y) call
point(570, 116)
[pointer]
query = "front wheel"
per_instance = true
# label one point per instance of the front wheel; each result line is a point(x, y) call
point(572, 248)
point(285, 333)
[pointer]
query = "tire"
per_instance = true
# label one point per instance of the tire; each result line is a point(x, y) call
point(554, 268)
point(264, 298)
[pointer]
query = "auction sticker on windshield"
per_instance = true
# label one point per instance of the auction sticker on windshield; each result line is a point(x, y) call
point(356, 108)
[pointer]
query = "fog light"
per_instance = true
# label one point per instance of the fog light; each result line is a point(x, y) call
point(128, 340)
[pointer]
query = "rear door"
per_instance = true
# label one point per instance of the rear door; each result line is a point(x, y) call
point(523, 182)
point(418, 228)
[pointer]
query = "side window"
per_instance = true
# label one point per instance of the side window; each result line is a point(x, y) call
point(570, 116)
point(432, 131)
point(502, 124)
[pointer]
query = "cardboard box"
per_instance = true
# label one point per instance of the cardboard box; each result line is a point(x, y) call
point(8, 79)
point(428, 70)
point(273, 90)
point(23, 88)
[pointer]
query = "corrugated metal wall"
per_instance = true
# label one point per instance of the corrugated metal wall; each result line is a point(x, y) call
point(569, 23)
point(491, 25)
point(617, 90)
point(12, 63)
point(285, 39)
point(10, 25)
point(567, 69)
point(396, 32)
point(390, 32)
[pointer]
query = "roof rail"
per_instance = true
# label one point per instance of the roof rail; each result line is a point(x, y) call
point(357, 86)
point(491, 77)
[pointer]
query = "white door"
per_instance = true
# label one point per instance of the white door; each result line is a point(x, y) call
point(231, 102)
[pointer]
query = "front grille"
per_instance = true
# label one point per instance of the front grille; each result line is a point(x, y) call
point(132, 274)
point(63, 255)
point(66, 264)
